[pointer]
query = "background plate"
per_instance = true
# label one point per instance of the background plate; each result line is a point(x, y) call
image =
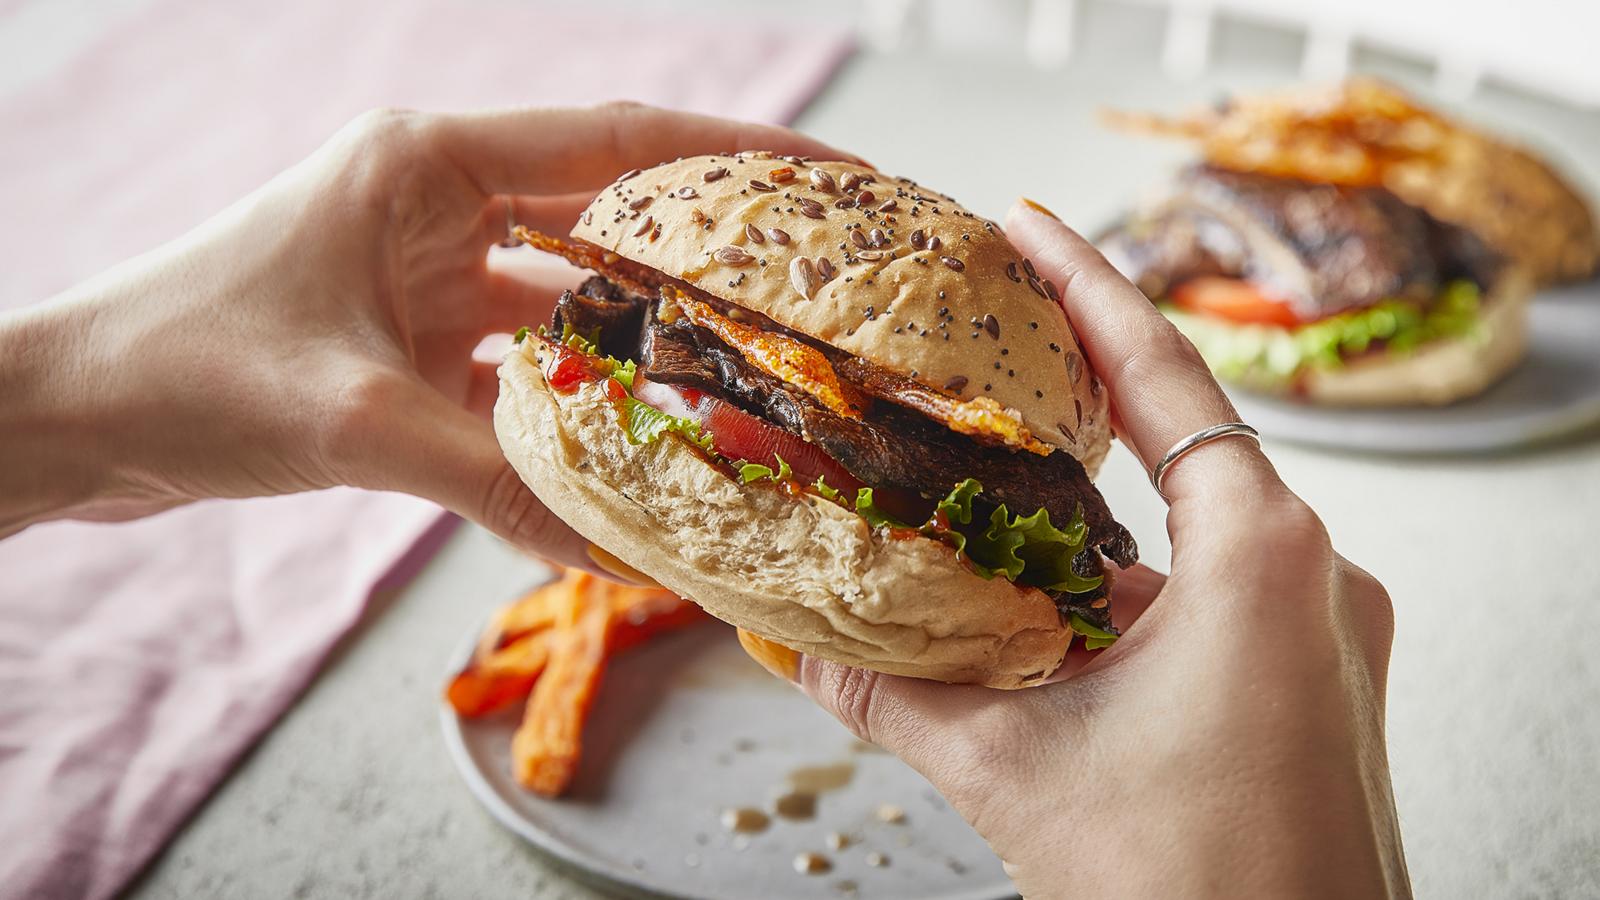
point(688, 726)
point(1555, 391)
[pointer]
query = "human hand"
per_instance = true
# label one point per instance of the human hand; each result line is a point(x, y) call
point(1232, 742)
point(320, 331)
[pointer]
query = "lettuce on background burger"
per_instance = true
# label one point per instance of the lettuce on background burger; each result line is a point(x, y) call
point(832, 407)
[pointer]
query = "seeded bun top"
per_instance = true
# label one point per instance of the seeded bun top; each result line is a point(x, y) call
point(874, 265)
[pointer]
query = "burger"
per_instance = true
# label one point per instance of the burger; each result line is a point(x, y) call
point(832, 407)
point(1346, 246)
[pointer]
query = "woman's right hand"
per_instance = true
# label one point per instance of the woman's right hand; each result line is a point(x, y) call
point(1232, 742)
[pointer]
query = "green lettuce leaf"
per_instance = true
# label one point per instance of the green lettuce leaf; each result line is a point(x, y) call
point(1093, 638)
point(1047, 551)
point(875, 517)
point(583, 343)
point(1025, 549)
point(828, 492)
point(750, 471)
point(957, 505)
point(1271, 355)
point(521, 333)
point(644, 424)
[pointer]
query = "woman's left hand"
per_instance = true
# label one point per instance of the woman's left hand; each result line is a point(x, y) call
point(320, 331)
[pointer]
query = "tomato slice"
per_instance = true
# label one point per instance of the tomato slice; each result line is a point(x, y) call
point(735, 434)
point(738, 435)
point(1235, 300)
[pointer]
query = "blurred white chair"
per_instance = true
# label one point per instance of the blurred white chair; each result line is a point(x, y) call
point(1545, 46)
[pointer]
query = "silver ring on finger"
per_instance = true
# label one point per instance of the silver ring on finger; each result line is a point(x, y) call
point(510, 240)
point(1203, 436)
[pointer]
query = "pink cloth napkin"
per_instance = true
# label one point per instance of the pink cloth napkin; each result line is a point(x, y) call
point(138, 661)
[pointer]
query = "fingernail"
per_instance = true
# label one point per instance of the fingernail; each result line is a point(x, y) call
point(774, 657)
point(619, 569)
point(1038, 207)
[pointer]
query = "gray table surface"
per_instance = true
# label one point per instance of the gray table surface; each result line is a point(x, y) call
point(1494, 713)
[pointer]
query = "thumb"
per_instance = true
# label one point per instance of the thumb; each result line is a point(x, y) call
point(944, 731)
point(435, 449)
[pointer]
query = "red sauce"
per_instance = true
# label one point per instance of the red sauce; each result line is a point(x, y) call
point(566, 369)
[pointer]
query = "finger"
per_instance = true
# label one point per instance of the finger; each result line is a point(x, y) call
point(1160, 389)
point(552, 215)
point(1135, 589)
point(559, 151)
point(522, 293)
point(483, 388)
point(441, 452)
point(941, 730)
point(894, 712)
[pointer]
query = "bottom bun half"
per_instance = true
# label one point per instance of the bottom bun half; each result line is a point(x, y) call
point(799, 571)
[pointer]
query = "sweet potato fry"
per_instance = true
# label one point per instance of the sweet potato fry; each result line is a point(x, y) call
point(641, 623)
point(535, 611)
point(501, 679)
point(551, 647)
point(545, 749)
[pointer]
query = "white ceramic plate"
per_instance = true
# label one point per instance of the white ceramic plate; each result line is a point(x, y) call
point(687, 726)
point(1554, 392)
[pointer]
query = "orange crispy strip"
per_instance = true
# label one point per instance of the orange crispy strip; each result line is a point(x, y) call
point(630, 276)
point(805, 367)
point(782, 357)
point(1349, 134)
point(981, 418)
point(546, 747)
